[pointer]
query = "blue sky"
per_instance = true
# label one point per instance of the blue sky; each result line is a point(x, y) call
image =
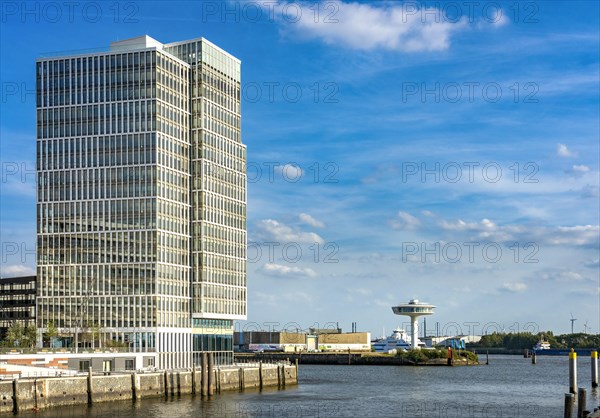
point(442, 151)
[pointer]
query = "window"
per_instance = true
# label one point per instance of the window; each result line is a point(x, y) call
point(129, 364)
point(84, 365)
point(106, 365)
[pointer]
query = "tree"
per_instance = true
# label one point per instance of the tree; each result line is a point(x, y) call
point(96, 332)
point(51, 332)
point(30, 336)
point(15, 334)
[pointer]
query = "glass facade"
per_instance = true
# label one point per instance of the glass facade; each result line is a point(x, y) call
point(142, 196)
point(17, 302)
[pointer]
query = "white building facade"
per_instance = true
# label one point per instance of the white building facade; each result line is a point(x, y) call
point(142, 199)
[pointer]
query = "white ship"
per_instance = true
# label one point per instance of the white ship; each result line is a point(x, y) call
point(542, 345)
point(399, 340)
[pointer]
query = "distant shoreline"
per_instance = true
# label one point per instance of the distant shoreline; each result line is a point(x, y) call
point(353, 359)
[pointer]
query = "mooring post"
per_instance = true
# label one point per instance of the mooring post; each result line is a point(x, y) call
point(204, 375)
point(278, 376)
point(193, 377)
point(487, 357)
point(533, 358)
point(260, 375)
point(573, 372)
point(594, 361)
point(296, 364)
point(166, 382)
point(211, 374)
point(581, 402)
point(283, 375)
point(15, 395)
point(241, 377)
point(89, 386)
point(135, 393)
point(569, 401)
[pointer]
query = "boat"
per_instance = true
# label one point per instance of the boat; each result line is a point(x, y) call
point(542, 345)
point(399, 340)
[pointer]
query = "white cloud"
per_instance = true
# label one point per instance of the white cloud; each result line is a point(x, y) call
point(581, 168)
point(563, 151)
point(577, 235)
point(404, 220)
point(513, 287)
point(17, 270)
point(562, 276)
point(289, 172)
point(368, 26)
point(281, 270)
point(307, 219)
point(285, 234)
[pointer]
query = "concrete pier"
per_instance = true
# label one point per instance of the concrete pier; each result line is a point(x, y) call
point(28, 394)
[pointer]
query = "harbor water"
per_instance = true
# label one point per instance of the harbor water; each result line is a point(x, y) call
point(510, 386)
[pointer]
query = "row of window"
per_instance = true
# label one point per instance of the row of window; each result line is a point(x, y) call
point(88, 152)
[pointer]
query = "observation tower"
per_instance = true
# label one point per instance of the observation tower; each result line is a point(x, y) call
point(414, 309)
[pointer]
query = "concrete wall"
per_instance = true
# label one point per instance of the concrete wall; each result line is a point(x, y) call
point(151, 385)
point(65, 391)
point(62, 391)
point(6, 397)
point(110, 388)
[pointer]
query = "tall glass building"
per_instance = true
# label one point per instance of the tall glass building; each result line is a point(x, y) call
point(142, 198)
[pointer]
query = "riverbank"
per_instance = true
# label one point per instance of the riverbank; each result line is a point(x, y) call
point(33, 394)
point(364, 359)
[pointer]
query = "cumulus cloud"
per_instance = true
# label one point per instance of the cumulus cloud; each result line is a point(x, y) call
point(289, 172)
point(404, 220)
point(309, 220)
point(17, 270)
point(282, 233)
point(369, 26)
point(513, 287)
point(577, 235)
point(593, 264)
point(559, 235)
point(563, 151)
point(578, 170)
point(562, 276)
point(281, 270)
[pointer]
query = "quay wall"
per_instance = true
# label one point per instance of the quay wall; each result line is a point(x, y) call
point(343, 359)
point(32, 394)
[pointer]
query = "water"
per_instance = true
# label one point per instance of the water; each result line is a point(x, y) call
point(509, 387)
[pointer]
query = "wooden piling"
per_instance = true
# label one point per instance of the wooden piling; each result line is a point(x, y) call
point(166, 382)
point(296, 364)
point(194, 378)
point(487, 357)
point(241, 378)
point(533, 358)
point(135, 391)
point(573, 372)
point(569, 401)
point(204, 375)
point(283, 376)
point(15, 396)
point(581, 402)
point(260, 375)
point(89, 386)
point(594, 361)
point(211, 374)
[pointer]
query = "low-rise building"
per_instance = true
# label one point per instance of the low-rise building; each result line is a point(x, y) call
point(259, 341)
point(17, 302)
